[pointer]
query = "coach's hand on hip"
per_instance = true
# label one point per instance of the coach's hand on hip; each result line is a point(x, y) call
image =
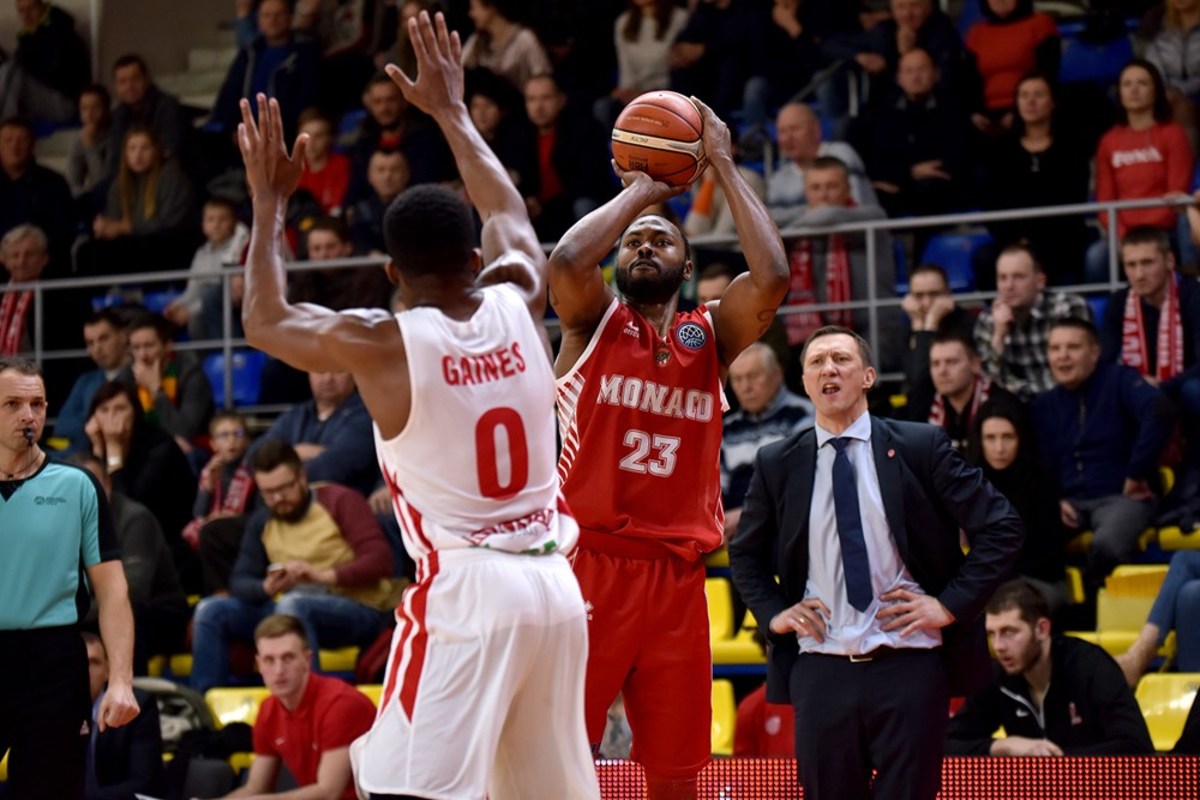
point(806, 618)
point(913, 612)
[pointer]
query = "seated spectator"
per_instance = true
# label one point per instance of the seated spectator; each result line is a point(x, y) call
point(1174, 49)
point(225, 497)
point(122, 762)
point(799, 132)
point(391, 124)
point(277, 63)
point(174, 391)
point(160, 607)
point(1101, 430)
point(1054, 695)
point(572, 177)
point(712, 281)
point(497, 112)
point(332, 433)
point(141, 104)
point(931, 313)
point(1143, 156)
point(791, 55)
point(1010, 41)
point(87, 160)
point(400, 50)
point(1012, 333)
point(1037, 163)
point(329, 240)
point(388, 174)
point(23, 251)
point(319, 550)
point(146, 465)
point(709, 212)
point(326, 174)
point(720, 48)
point(913, 24)
point(643, 36)
point(961, 387)
point(502, 45)
point(762, 729)
point(225, 238)
point(1002, 444)
point(107, 344)
point(34, 194)
point(918, 158)
point(833, 268)
point(49, 67)
point(308, 723)
point(768, 412)
point(145, 224)
point(1175, 609)
point(1154, 325)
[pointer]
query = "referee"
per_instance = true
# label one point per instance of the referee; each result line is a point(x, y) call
point(55, 529)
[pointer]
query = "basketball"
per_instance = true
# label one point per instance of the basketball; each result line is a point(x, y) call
point(659, 134)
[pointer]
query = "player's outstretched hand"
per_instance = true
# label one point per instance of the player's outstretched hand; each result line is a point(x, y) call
point(716, 138)
point(271, 173)
point(439, 82)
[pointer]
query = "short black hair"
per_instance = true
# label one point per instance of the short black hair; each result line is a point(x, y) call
point(864, 347)
point(101, 91)
point(109, 315)
point(18, 122)
point(1078, 324)
point(1148, 234)
point(335, 225)
point(951, 336)
point(161, 325)
point(273, 453)
point(1022, 246)
point(1023, 596)
point(429, 229)
point(717, 269)
point(928, 268)
point(830, 162)
point(131, 60)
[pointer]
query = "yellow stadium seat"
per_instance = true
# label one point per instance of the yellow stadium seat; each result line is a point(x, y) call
point(741, 649)
point(1125, 613)
point(1136, 580)
point(181, 665)
point(720, 608)
point(4, 768)
point(1075, 591)
point(235, 704)
point(340, 660)
point(717, 558)
point(1165, 699)
point(155, 666)
point(724, 714)
point(373, 691)
point(1174, 538)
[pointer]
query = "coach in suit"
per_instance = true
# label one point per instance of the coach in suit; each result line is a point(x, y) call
point(876, 618)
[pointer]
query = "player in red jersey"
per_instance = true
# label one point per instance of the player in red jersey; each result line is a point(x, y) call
point(640, 401)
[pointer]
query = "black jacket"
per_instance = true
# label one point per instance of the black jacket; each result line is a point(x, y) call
point(293, 83)
point(929, 492)
point(129, 758)
point(54, 53)
point(1088, 710)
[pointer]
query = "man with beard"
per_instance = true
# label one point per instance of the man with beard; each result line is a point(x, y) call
point(319, 550)
point(640, 406)
point(1054, 695)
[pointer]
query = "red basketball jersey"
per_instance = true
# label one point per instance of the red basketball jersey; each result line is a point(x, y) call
point(640, 419)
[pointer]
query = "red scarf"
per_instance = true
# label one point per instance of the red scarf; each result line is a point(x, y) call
point(937, 412)
point(241, 486)
point(1170, 335)
point(801, 290)
point(13, 310)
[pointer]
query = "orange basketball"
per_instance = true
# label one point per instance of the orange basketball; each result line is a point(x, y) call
point(659, 134)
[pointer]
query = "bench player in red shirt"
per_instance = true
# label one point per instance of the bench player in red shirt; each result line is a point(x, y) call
point(640, 400)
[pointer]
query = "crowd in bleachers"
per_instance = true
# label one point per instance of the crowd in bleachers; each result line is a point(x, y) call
point(1084, 414)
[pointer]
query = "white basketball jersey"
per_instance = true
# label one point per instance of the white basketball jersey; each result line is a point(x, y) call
point(476, 464)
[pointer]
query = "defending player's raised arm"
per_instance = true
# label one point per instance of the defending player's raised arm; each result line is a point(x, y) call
point(748, 306)
point(577, 288)
point(511, 252)
point(307, 336)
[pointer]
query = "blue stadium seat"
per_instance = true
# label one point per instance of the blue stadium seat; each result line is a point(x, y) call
point(901, 262)
point(952, 252)
point(1099, 62)
point(1098, 304)
point(157, 302)
point(247, 376)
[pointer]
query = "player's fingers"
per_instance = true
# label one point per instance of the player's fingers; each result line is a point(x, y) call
point(428, 35)
point(415, 35)
point(399, 78)
point(247, 117)
point(264, 126)
point(442, 33)
point(300, 149)
point(277, 123)
point(243, 140)
point(455, 47)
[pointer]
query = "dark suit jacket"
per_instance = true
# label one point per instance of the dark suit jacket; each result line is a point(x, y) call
point(929, 492)
point(129, 759)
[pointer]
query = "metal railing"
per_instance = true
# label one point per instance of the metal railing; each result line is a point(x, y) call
point(875, 298)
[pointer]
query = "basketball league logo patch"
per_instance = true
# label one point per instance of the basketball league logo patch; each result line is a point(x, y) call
point(691, 335)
